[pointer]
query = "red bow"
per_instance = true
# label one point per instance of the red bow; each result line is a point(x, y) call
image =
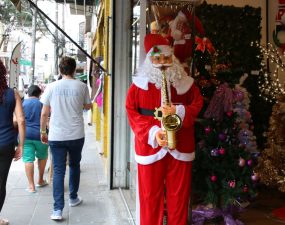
point(204, 44)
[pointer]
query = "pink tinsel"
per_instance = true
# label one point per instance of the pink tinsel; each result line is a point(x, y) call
point(220, 103)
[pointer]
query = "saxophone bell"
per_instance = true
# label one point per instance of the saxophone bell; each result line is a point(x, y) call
point(171, 123)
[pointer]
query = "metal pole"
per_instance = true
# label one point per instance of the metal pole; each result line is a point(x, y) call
point(56, 42)
point(66, 35)
point(34, 33)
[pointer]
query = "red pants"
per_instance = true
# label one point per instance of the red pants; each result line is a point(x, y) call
point(172, 176)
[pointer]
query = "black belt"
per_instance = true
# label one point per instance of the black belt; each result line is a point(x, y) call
point(148, 112)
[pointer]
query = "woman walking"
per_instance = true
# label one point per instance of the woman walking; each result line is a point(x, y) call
point(33, 146)
point(10, 104)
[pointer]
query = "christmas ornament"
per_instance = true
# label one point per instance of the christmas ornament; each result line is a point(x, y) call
point(245, 188)
point(214, 152)
point(254, 177)
point(241, 162)
point(213, 178)
point(238, 95)
point(222, 151)
point(232, 184)
point(249, 162)
point(230, 113)
point(207, 130)
point(222, 136)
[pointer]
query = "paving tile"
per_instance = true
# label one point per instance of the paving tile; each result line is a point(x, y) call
point(100, 205)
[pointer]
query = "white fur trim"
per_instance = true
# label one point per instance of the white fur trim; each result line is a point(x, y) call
point(164, 49)
point(183, 85)
point(177, 35)
point(187, 157)
point(146, 160)
point(181, 16)
point(151, 136)
point(187, 36)
point(141, 82)
point(180, 111)
point(179, 42)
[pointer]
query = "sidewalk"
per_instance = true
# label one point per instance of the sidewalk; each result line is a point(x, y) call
point(100, 205)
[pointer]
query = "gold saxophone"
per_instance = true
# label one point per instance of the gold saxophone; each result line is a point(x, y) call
point(171, 123)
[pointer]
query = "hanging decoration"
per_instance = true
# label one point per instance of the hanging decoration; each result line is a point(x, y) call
point(176, 3)
point(270, 85)
point(279, 31)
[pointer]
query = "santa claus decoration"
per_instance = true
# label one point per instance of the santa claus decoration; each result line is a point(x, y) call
point(162, 170)
point(182, 31)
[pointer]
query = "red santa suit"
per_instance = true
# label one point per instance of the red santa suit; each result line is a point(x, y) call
point(181, 32)
point(158, 167)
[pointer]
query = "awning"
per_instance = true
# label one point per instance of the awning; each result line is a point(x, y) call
point(78, 2)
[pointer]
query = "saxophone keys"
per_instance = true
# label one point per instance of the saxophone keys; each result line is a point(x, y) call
point(158, 113)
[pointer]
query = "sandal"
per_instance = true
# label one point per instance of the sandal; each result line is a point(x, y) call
point(4, 222)
point(30, 191)
point(45, 183)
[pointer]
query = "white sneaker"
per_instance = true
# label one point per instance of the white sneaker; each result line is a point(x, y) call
point(75, 202)
point(56, 215)
point(4, 222)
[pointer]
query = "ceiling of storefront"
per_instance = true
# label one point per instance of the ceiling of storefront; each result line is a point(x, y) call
point(78, 2)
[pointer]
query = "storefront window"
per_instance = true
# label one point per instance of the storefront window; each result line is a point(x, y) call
point(135, 35)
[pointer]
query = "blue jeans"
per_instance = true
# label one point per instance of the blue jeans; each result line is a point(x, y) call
point(59, 150)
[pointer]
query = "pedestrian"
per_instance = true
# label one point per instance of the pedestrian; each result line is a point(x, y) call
point(64, 100)
point(33, 146)
point(10, 104)
point(164, 158)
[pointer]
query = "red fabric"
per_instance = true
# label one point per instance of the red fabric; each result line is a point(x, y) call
point(185, 51)
point(151, 99)
point(172, 177)
point(169, 173)
point(279, 213)
point(154, 39)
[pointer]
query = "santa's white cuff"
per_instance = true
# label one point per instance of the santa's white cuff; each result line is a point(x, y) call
point(151, 136)
point(179, 42)
point(180, 111)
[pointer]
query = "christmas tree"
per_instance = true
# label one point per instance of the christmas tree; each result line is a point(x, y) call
point(223, 167)
point(226, 145)
point(271, 162)
point(223, 177)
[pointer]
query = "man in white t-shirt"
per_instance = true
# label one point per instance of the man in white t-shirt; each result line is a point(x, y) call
point(64, 100)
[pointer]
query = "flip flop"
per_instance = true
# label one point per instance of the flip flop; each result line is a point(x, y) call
point(45, 183)
point(30, 191)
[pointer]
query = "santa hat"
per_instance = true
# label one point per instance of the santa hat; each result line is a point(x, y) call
point(186, 15)
point(156, 44)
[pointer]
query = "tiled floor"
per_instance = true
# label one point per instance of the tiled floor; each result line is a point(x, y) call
point(100, 205)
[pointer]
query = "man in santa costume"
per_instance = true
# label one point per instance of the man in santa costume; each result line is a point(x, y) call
point(162, 169)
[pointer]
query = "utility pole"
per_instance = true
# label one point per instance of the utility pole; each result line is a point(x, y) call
point(56, 43)
point(34, 33)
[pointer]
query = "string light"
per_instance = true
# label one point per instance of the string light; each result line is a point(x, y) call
point(269, 85)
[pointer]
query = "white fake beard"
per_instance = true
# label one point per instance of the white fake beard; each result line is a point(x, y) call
point(174, 72)
point(161, 65)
